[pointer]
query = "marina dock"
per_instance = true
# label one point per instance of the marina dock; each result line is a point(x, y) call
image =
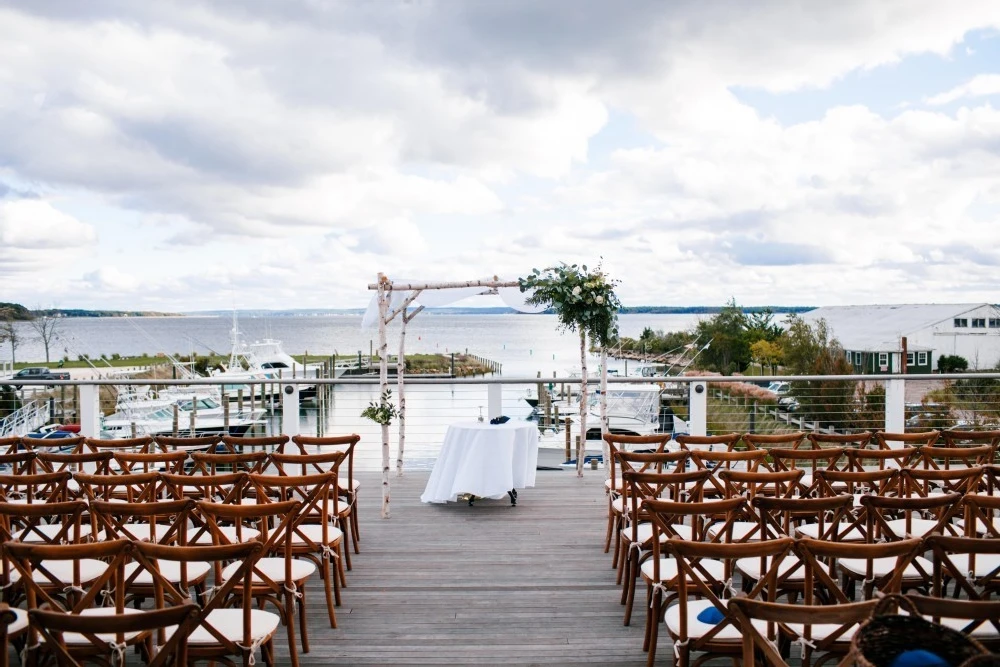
point(484, 585)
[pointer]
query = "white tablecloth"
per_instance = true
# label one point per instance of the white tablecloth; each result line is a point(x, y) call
point(486, 460)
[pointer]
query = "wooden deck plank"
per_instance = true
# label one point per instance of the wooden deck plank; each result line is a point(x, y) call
point(489, 584)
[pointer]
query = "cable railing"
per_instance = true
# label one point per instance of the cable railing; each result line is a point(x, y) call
point(694, 404)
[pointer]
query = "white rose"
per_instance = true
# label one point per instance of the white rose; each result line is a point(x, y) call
point(576, 291)
point(599, 299)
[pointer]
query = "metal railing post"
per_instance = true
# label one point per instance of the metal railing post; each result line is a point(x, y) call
point(90, 410)
point(698, 413)
point(290, 410)
point(895, 406)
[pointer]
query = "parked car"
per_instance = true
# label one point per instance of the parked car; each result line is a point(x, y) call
point(779, 388)
point(40, 373)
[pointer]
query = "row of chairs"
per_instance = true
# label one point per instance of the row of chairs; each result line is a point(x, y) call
point(858, 440)
point(188, 499)
point(856, 509)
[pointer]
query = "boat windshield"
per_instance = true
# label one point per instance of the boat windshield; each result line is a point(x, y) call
point(641, 402)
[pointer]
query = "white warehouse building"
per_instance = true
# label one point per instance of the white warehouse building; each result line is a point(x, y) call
point(872, 336)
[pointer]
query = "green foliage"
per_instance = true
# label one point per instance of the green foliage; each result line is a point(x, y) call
point(655, 343)
point(382, 412)
point(581, 299)
point(9, 401)
point(810, 350)
point(14, 311)
point(952, 363)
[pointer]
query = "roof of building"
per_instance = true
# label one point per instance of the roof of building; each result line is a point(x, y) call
point(880, 328)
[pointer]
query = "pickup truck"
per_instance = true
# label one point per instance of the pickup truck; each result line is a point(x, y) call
point(40, 373)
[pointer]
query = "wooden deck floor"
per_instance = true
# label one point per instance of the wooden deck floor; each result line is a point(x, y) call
point(489, 584)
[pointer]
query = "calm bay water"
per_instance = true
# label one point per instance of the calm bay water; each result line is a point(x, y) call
point(524, 344)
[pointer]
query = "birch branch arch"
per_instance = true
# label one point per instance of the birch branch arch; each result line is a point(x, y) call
point(394, 299)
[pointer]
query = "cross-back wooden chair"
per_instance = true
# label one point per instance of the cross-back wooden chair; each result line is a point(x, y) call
point(739, 483)
point(198, 443)
point(77, 579)
point(135, 462)
point(752, 460)
point(791, 440)
point(820, 630)
point(637, 534)
point(971, 564)
point(880, 567)
point(705, 624)
point(266, 443)
point(726, 442)
point(44, 487)
point(349, 485)
point(223, 631)
point(107, 636)
point(140, 487)
point(991, 480)
point(785, 517)
point(618, 505)
point(277, 577)
point(314, 533)
point(223, 488)
point(890, 440)
point(820, 440)
point(70, 444)
point(946, 458)
point(810, 461)
point(881, 458)
point(139, 444)
point(613, 484)
point(858, 483)
point(982, 515)
point(19, 463)
point(917, 516)
point(979, 619)
point(925, 482)
point(660, 572)
point(50, 523)
point(204, 463)
point(69, 462)
point(966, 438)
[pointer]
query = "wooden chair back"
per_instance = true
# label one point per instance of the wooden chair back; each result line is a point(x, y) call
point(160, 522)
point(855, 483)
point(783, 440)
point(140, 444)
point(972, 564)
point(809, 460)
point(624, 443)
point(938, 457)
point(820, 440)
point(982, 515)
point(726, 442)
point(931, 481)
point(745, 483)
point(878, 509)
point(881, 458)
point(214, 464)
point(966, 438)
point(135, 462)
point(72, 444)
point(821, 559)
point(779, 517)
point(20, 463)
point(666, 514)
point(44, 487)
point(884, 439)
point(267, 443)
point(83, 461)
point(983, 616)
point(141, 487)
point(11, 444)
point(198, 443)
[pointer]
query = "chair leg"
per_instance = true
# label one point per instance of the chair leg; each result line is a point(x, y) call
point(618, 548)
point(355, 535)
point(327, 573)
point(622, 556)
point(653, 625)
point(300, 602)
point(341, 572)
point(343, 529)
point(334, 573)
point(633, 571)
point(649, 615)
point(607, 536)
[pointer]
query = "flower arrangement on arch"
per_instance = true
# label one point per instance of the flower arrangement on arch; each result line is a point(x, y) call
point(382, 412)
point(582, 299)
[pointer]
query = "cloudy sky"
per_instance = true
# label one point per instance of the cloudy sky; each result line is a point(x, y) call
point(278, 154)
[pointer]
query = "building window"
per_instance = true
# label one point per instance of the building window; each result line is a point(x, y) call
point(909, 358)
point(961, 322)
point(921, 358)
point(849, 358)
point(883, 360)
point(995, 323)
point(978, 323)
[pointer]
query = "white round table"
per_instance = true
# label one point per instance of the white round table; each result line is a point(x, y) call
point(484, 460)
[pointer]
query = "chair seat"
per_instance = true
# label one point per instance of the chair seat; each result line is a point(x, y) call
point(171, 571)
point(740, 530)
point(985, 563)
point(812, 530)
point(645, 532)
point(984, 630)
point(229, 623)
point(981, 528)
point(274, 569)
point(751, 567)
point(314, 532)
point(229, 532)
point(820, 631)
point(883, 566)
point(918, 527)
point(62, 570)
point(668, 568)
point(20, 622)
point(696, 628)
point(76, 638)
point(45, 533)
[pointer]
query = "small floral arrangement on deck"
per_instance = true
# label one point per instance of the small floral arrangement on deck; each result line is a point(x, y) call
point(581, 299)
point(382, 412)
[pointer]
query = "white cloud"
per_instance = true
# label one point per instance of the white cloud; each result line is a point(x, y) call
point(32, 224)
point(981, 85)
